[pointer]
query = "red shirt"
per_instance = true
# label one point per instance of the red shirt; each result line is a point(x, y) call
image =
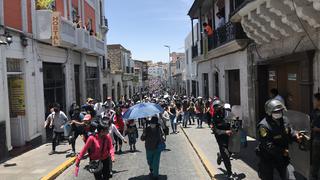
point(208, 30)
point(94, 143)
point(118, 122)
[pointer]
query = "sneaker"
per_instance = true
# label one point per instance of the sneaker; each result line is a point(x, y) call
point(134, 148)
point(52, 152)
point(219, 159)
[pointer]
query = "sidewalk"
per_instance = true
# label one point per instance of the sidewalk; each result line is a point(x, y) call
point(244, 166)
point(35, 163)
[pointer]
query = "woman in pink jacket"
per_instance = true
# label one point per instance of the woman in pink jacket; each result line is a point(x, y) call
point(100, 146)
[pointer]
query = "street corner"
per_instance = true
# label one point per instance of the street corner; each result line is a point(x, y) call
point(60, 169)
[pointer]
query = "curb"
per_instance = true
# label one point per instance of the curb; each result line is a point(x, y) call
point(59, 170)
point(204, 160)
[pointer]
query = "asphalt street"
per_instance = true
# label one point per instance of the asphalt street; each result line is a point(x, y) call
point(178, 162)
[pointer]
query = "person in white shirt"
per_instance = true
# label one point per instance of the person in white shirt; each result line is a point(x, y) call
point(99, 108)
point(221, 20)
point(57, 121)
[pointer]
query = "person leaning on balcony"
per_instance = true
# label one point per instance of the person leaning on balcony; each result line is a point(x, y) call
point(221, 21)
point(209, 33)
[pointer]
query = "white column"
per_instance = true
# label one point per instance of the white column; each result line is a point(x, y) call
point(211, 83)
point(24, 16)
point(69, 80)
point(70, 9)
point(65, 9)
point(1, 13)
point(82, 13)
point(33, 17)
point(82, 78)
point(4, 98)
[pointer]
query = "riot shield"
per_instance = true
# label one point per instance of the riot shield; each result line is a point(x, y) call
point(234, 145)
point(300, 158)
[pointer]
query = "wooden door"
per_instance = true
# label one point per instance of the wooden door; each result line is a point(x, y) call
point(234, 87)
point(292, 87)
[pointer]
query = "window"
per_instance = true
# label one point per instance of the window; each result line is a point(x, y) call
point(92, 82)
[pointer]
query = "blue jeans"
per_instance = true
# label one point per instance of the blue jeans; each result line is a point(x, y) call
point(186, 117)
point(173, 123)
point(200, 119)
point(153, 158)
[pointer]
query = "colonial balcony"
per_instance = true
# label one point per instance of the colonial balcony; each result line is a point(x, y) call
point(44, 24)
point(227, 33)
point(96, 46)
point(225, 39)
point(83, 39)
point(70, 36)
point(270, 20)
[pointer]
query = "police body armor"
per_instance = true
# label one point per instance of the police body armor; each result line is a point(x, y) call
point(274, 140)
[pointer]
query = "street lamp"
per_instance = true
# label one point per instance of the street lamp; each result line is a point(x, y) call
point(8, 39)
point(167, 46)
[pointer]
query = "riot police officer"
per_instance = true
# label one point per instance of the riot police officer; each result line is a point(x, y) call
point(275, 134)
point(222, 133)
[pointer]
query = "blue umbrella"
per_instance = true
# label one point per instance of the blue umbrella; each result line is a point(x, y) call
point(142, 110)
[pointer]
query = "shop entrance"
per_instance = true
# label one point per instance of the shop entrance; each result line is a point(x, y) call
point(54, 85)
point(16, 92)
point(292, 77)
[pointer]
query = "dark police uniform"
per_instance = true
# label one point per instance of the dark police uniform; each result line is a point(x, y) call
point(315, 164)
point(274, 140)
point(220, 126)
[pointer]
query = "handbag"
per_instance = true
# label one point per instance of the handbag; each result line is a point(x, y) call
point(96, 166)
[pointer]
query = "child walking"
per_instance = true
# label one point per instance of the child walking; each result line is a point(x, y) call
point(132, 132)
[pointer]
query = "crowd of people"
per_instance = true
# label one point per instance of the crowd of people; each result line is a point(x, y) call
point(103, 130)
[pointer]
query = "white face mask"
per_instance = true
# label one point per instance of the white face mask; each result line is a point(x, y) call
point(277, 116)
point(153, 126)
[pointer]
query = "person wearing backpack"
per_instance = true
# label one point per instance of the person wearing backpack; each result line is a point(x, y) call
point(100, 146)
point(154, 144)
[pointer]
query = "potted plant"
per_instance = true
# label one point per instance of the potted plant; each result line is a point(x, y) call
point(44, 4)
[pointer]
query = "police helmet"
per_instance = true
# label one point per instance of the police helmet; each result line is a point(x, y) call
point(274, 105)
point(217, 103)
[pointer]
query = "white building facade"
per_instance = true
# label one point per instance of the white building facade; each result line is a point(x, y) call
point(35, 74)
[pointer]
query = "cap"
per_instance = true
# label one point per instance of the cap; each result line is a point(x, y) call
point(87, 117)
point(227, 106)
point(109, 98)
point(89, 99)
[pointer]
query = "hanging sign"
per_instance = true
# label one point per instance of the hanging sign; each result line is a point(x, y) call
point(55, 29)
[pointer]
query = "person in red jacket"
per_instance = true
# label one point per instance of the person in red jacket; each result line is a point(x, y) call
point(100, 146)
point(119, 123)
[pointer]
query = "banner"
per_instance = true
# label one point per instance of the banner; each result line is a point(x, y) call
point(16, 96)
point(55, 29)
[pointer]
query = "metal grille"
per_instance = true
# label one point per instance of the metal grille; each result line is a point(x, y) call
point(14, 65)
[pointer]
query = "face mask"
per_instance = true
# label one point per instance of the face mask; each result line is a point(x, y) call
point(276, 116)
point(153, 126)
